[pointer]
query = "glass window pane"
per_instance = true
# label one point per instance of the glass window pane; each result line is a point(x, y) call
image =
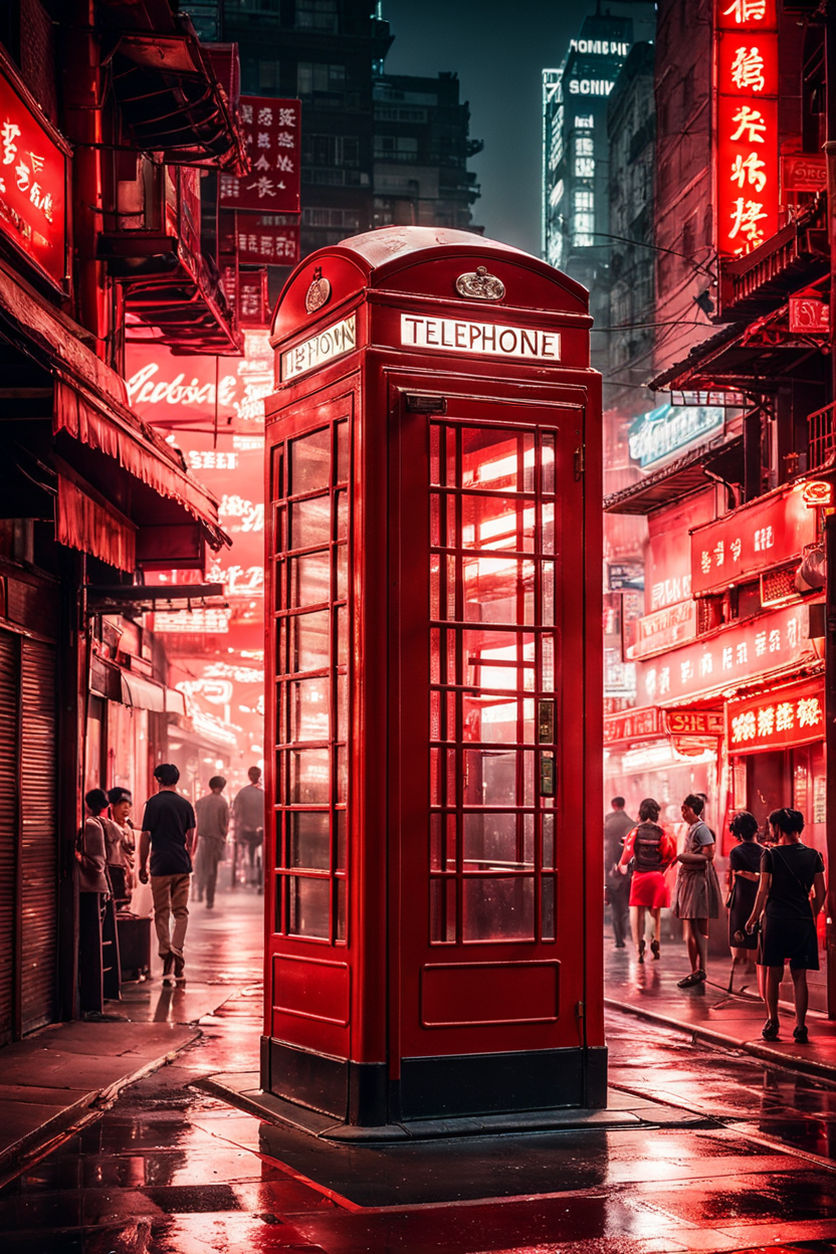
point(548, 921)
point(498, 590)
point(497, 522)
point(309, 579)
point(309, 839)
point(547, 461)
point(490, 777)
point(548, 663)
point(309, 522)
point(308, 702)
point(498, 460)
point(435, 519)
point(343, 453)
point(342, 773)
point(548, 527)
point(310, 462)
point(498, 659)
point(309, 902)
point(342, 707)
point(341, 612)
point(281, 639)
point(342, 515)
point(342, 572)
point(548, 840)
point(342, 911)
point(548, 594)
point(498, 909)
point(309, 641)
point(442, 911)
point(497, 720)
point(341, 821)
point(310, 777)
point(498, 841)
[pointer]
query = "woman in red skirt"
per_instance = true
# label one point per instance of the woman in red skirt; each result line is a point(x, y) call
point(652, 851)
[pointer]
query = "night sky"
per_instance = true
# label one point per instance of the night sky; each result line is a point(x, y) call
point(498, 48)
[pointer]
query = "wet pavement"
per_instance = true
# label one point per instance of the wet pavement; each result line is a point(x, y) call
point(712, 1147)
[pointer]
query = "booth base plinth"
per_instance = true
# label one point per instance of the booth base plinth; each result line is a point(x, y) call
point(440, 1088)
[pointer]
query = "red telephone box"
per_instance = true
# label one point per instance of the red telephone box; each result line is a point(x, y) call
point(433, 848)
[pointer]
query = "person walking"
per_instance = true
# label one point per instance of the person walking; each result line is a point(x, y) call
point(651, 850)
point(168, 827)
point(212, 825)
point(617, 884)
point(93, 887)
point(744, 871)
point(790, 873)
point(697, 891)
point(248, 812)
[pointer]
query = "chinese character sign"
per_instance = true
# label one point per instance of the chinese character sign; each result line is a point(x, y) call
point(273, 131)
point(754, 538)
point(268, 245)
point(746, 156)
point(32, 185)
point(792, 715)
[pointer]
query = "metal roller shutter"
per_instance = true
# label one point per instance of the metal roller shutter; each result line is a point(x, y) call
point(8, 828)
point(39, 838)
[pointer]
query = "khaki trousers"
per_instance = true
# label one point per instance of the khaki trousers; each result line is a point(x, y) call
point(171, 896)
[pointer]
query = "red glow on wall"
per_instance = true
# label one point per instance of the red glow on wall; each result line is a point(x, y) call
point(32, 184)
point(746, 150)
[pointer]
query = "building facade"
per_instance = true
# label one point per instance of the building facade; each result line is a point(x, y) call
point(730, 648)
point(92, 497)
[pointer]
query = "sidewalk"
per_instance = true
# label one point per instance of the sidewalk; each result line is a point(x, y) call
point(710, 1013)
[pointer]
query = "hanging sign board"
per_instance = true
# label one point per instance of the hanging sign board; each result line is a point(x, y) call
point(783, 717)
point(33, 177)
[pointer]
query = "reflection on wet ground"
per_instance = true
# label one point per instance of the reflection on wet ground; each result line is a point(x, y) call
point(172, 1170)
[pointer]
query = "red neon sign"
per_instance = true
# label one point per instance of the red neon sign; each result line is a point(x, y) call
point(817, 492)
point(793, 715)
point(755, 537)
point(32, 184)
point(746, 155)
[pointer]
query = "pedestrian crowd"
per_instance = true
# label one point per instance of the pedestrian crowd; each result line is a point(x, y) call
point(117, 864)
point(775, 890)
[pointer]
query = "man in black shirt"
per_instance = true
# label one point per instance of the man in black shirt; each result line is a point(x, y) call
point(168, 828)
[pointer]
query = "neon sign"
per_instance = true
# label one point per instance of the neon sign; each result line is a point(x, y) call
point(793, 715)
point(746, 155)
point(33, 179)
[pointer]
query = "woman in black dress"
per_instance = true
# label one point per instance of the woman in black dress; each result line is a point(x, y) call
point(744, 868)
point(791, 874)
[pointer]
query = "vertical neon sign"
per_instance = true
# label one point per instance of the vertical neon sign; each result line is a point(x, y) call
point(746, 149)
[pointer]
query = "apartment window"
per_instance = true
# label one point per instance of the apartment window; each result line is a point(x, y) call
point(584, 167)
point(584, 146)
point(341, 151)
point(314, 77)
point(396, 147)
point(583, 199)
point(317, 15)
point(584, 123)
point(584, 223)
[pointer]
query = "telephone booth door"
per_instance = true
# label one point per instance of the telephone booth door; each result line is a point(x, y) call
point(487, 693)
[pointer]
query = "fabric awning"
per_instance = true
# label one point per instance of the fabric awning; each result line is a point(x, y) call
point(144, 694)
point(91, 402)
point(93, 526)
point(679, 478)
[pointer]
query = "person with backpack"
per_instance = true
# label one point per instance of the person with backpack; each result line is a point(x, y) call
point(791, 892)
point(650, 851)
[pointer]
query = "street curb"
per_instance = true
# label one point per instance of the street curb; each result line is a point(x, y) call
point(33, 1145)
point(758, 1049)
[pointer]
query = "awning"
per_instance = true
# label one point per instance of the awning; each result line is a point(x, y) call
point(144, 694)
point(679, 478)
point(86, 522)
point(90, 404)
point(170, 96)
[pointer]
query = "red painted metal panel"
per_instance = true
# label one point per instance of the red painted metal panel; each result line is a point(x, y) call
point(755, 537)
point(488, 993)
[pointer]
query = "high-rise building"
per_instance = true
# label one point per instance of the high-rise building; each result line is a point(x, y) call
point(421, 148)
point(575, 170)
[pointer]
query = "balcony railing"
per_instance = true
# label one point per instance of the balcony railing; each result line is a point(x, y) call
point(821, 436)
